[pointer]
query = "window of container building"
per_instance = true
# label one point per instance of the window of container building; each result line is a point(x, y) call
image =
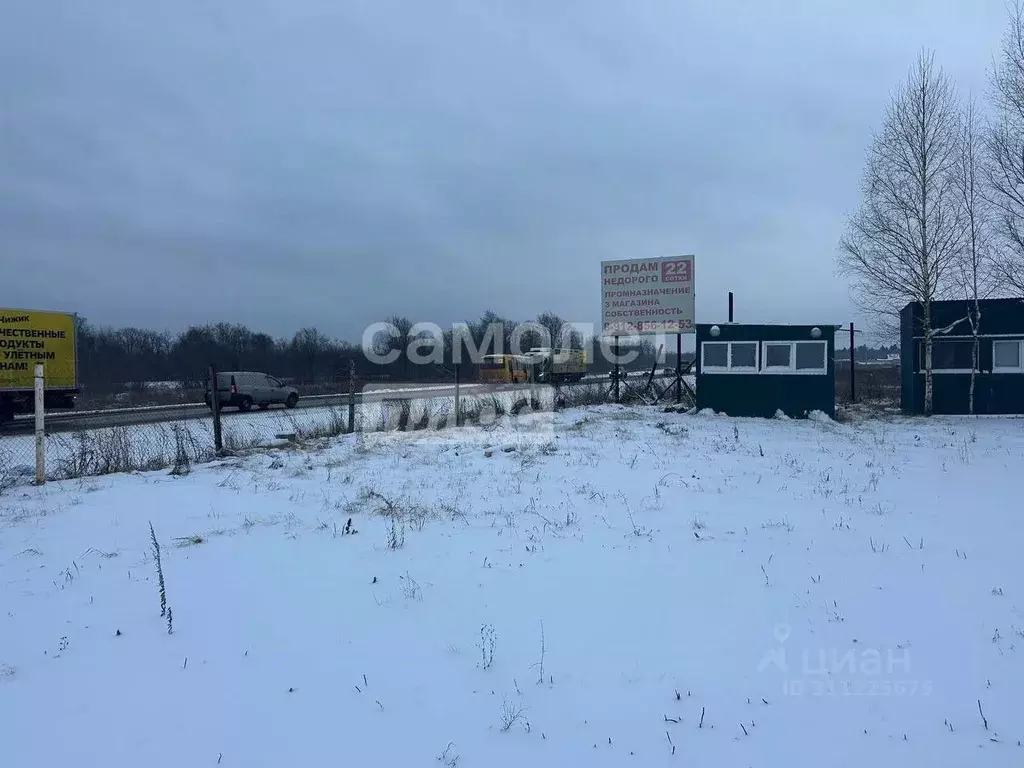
point(1007, 356)
point(949, 356)
point(795, 357)
point(729, 357)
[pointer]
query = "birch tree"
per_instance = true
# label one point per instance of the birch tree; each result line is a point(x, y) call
point(1006, 151)
point(976, 271)
point(903, 241)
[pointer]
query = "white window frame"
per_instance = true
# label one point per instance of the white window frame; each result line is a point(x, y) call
point(729, 368)
point(705, 368)
point(1019, 368)
point(968, 337)
point(791, 369)
point(812, 371)
point(745, 368)
point(779, 368)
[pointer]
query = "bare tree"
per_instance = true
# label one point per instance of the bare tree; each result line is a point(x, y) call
point(563, 334)
point(901, 243)
point(976, 271)
point(1006, 149)
point(310, 348)
point(395, 343)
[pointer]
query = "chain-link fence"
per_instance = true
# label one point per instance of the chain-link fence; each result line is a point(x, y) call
point(85, 443)
point(91, 443)
point(871, 384)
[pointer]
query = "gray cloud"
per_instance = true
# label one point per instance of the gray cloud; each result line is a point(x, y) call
point(319, 163)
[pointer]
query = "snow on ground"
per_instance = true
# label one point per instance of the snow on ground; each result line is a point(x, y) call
point(604, 586)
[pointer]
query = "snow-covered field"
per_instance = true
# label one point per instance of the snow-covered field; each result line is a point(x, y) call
point(604, 586)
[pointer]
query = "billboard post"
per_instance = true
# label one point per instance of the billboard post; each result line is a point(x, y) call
point(617, 372)
point(679, 368)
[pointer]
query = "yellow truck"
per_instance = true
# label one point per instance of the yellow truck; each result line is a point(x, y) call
point(28, 337)
point(547, 366)
point(559, 365)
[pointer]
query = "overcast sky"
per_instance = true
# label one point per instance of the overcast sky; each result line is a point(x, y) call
point(283, 163)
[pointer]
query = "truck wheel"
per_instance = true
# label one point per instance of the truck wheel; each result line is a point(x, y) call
point(245, 404)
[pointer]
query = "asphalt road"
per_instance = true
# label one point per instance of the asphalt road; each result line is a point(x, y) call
point(73, 421)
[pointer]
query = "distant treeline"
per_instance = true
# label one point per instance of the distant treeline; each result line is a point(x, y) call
point(112, 359)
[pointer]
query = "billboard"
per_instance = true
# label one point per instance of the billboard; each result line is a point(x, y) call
point(647, 296)
point(28, 337)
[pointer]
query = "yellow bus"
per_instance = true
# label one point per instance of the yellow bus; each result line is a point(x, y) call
point(505, 369)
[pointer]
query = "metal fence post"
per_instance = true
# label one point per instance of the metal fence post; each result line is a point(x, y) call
point(218, 441)
point(853, 364)
point(615, 373)
point(556, 380)
point(458, 413)
point(40, 426)
point(352, 395)
point(679, 368)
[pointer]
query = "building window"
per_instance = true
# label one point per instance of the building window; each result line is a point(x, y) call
point(729, 357)
point(778, 355)
point(949, 356)
point(810, 356)
point(1007, 356)
point(743, 355)
point(795, 357)
point(715, 355)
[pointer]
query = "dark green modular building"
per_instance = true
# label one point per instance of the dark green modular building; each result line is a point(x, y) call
point(758, 370)
point(999, 382)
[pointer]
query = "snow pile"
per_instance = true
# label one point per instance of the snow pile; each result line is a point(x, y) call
point(608, 587)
